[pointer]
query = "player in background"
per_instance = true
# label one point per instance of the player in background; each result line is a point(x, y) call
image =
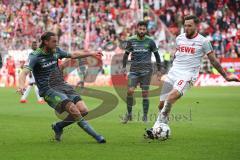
point(191, 47)
point(141, 48)
point(43, 62)
point(11, 68)
point(31, 83)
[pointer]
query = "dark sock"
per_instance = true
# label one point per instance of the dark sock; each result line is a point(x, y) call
point(87, 128)
point(145, 106)
point(129, 104)
point(66, 122)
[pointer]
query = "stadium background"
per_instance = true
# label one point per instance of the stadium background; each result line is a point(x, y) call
point(105, 25)
point(204, 123)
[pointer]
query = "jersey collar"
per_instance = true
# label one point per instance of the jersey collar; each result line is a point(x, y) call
point(193, 36)
point(141, 39)
point(41, 51)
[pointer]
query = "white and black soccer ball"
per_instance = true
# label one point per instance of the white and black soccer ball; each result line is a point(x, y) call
point(161, 131)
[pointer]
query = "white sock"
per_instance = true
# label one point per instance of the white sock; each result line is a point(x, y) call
point(166, 108)
point(163, 114)
point(161, 119)
point(37, 94)
point(24, 96)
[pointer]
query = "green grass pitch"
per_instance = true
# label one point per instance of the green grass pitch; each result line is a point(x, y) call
point(205, 125)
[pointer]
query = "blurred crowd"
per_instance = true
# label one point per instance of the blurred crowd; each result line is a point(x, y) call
point(220, 21)
point(96, 22)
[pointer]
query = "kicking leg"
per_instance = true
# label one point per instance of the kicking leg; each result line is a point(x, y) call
point(82, 108)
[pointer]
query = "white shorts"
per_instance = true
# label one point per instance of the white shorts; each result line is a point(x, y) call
point(175, 81)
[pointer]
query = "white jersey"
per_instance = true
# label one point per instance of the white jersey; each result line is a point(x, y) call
point(188, 56)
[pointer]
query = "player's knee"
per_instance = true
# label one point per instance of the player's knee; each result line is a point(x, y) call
point(84, 113)
point(71, 108)
point(74, 112)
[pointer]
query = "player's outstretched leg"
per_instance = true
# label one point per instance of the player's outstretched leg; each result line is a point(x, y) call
point(164, 111)
point(82, 108)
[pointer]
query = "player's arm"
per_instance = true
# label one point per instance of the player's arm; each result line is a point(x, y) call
point(22, 80)
point(219, 68)
point(83, 54)
point(158, 60)
point(154, 49)
point(77, 54)
point(128, 50)
point(124, 62)
point(125, 59)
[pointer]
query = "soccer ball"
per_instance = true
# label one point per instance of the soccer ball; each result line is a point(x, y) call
point(161, 131)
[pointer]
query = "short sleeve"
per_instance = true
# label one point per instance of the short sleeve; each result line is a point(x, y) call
point(32, 61)
point(62, 54)
point(153, 46)
point(207, 47)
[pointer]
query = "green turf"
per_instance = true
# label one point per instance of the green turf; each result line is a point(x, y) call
point(205, 125)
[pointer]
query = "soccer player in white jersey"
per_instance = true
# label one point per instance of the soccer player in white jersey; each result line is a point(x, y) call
point(32, 83)
point(190, 48)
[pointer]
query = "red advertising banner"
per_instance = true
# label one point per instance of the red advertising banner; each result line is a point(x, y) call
point(228, 63)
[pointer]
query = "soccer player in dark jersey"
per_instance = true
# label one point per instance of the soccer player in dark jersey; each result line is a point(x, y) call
point(141, 48)
point(43, 62)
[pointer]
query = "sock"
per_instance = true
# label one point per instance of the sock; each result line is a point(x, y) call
point(145, 106)
point(36, 92)
point(163, 114)
point(87, 128)
point(129, 104)
point(24, 97)
point(66, 122)
point(161, 119)
point(166, 108)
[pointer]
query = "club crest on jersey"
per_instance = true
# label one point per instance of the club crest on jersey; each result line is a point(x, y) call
point(186, 49)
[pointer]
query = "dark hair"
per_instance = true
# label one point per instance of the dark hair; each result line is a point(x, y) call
point(189, 17)
point(46, 36)
point(142, 23)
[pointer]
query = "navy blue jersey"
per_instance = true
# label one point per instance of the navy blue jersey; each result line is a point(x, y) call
point(45, 69)
point(141, 52)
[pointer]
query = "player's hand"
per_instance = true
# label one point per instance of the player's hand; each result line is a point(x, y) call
point(96, 54)
point(159, 75)
point(232, 77)
point(21, 90)
point(124, 71)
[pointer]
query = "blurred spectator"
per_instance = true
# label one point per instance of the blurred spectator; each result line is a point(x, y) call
point(110, 23)
point(10, 65)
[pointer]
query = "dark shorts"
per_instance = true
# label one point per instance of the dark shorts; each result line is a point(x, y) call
point(143, 78)
point(55, 96)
